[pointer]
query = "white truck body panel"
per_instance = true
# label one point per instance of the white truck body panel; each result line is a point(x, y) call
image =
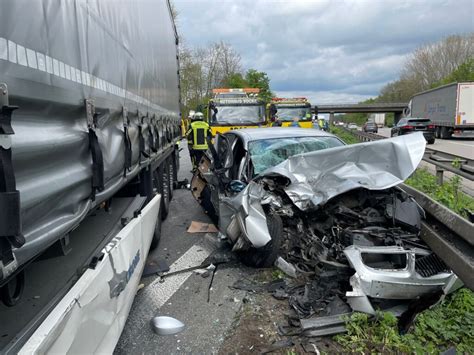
point(378, 118)
point(90, 318)
point(465, 104)
point(446, 106)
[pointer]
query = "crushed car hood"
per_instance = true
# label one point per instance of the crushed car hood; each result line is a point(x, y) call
point(316, 177)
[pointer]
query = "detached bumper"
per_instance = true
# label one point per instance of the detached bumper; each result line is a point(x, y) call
point(403, 284)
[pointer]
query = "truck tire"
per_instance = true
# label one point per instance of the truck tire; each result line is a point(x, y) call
point(164, 189)
point(437, 132)
point(11, 292)
point(265, 256)
point(172, 174)
point(156, 233)
point(445, 134)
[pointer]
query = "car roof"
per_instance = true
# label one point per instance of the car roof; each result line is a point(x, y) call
point(253, 134)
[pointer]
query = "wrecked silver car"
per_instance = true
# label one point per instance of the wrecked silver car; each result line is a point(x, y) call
point(321, 205)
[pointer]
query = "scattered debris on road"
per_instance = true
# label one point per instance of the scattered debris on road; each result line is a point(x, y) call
point(201, 227)
point(164, 325)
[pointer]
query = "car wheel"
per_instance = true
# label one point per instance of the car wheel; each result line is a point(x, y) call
point(157, 232)
point(431, 141)
point(265, 256)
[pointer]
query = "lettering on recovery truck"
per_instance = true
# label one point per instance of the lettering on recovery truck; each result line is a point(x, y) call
point(120, 280)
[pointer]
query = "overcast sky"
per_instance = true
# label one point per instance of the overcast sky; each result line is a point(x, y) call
point(329, 51)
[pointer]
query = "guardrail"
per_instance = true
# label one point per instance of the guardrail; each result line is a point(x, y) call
point(443, 161)
point(449, 235)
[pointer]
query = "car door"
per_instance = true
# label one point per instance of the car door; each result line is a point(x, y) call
point(211, 176)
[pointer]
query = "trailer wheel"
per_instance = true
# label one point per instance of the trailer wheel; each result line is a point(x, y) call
point(157, 232)
point(445, 134)
point(163, 188)
point(11, 292)
point(172, 172)
point(438, 132)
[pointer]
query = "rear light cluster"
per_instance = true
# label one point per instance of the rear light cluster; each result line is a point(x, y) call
point(408, 127)
point(431, 126)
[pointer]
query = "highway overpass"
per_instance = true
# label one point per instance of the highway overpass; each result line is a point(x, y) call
point(397, 108)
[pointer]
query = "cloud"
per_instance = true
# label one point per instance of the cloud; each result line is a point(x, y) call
point(347, 48)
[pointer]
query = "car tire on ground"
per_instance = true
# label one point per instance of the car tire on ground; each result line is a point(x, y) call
point(431, 141)
point(266, 256)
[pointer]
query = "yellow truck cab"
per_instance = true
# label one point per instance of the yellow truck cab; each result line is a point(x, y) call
point(283, 111)
point(235, 109)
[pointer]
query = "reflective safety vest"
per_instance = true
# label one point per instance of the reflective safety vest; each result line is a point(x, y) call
point(200, 130)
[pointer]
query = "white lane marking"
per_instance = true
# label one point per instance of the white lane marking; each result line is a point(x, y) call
point(156, 294)
point(467, 145)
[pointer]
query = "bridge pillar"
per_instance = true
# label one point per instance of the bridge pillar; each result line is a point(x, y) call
point(331, 118)
point(397, 117)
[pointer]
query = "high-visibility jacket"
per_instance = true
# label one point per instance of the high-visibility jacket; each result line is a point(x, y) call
point(197, 135)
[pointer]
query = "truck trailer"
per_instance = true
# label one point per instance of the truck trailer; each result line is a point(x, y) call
point(89, 115)
point(449, 107)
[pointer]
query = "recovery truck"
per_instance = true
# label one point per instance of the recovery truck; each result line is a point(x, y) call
point(89, 126)
point(235, 109)
point(449, 107)
point(285, 110)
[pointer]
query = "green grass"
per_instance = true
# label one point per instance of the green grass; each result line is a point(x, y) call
point(448, 324)
point(344, 135)
point(448, 194)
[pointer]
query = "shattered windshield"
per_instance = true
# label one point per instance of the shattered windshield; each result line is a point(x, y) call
point(288, 113)
point(238, 114)
point(270, 152)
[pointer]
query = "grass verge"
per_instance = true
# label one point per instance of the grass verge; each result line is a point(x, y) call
point(448, 324)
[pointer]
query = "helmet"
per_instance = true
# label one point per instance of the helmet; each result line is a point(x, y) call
point(198, 116)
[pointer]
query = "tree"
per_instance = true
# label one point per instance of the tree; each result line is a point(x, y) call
point(465, 72)
point(256, 79)
point(235, 80)
point(432, 65)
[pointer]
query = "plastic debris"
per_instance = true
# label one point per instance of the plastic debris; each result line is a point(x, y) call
point(164, 325)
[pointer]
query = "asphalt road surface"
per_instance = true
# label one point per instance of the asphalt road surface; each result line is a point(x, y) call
point(185, 296)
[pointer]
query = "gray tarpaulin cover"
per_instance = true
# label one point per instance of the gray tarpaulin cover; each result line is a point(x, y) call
point(318, 176)
point(54, 55)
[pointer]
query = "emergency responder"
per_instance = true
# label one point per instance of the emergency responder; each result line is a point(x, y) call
point(198, 133)
point(296, 122)
point(321, 124)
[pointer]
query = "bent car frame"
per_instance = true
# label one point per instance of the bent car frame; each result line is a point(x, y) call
point(318, 203)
